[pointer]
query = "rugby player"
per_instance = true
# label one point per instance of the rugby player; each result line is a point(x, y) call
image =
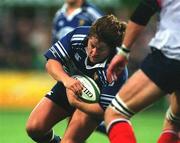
point(158, 76)
point(86, 50)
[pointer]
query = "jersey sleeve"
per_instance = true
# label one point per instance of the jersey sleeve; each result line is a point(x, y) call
point(55, 26)
point(93, 12)
point(144, 11)
point(109, 92)
point(61, 50)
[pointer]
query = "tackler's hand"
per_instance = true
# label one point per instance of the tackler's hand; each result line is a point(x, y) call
point(117, 64)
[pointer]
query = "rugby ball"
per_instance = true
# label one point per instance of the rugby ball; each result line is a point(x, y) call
point(91, 91)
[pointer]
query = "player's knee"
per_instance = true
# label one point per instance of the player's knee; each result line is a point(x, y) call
point(34, 129)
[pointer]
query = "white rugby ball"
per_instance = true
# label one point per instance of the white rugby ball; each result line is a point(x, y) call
point(91, 91)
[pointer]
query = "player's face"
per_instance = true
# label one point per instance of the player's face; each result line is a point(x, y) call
point(97, 51)
point(72, 2)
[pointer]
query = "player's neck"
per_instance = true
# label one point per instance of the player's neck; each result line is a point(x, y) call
point(89, 62)
point(72, 7)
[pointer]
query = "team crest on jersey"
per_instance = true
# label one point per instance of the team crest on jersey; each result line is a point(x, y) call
point(95, 76)
point(81, 22)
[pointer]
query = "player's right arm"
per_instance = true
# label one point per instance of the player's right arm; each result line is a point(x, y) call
point(56, 70)
point(59, 56)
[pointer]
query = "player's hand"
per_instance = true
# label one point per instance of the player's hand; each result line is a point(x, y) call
point(115, 67)
point(74, 85)
point(72, 98)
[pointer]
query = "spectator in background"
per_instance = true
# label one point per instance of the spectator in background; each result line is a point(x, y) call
point(72, 14)
point(16, 50)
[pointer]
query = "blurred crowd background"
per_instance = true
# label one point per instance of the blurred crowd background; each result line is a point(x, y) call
point(25, 35)
point(25, 30)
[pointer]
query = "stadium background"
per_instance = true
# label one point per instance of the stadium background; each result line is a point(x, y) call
point(25, 34)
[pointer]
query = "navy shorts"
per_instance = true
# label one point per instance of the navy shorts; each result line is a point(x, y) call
point(164, 72)
point(58, 96)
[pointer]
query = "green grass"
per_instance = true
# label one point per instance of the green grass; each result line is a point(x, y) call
point(147, 126)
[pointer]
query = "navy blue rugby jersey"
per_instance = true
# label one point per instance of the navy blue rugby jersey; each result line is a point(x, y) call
point(63, 24)
point(70, 51)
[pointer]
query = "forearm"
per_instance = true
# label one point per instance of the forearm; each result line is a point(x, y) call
point(55, 69)
point(132, 32)
point(139, 19)
point(92, 109)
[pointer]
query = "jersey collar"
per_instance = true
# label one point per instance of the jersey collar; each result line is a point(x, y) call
point(98, 65)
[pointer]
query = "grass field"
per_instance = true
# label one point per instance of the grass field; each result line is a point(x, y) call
point(147, 126)
point(22, 90)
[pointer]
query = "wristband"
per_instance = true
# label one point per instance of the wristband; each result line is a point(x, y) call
point(123, 51)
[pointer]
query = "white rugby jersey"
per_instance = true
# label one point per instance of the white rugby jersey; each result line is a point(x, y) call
point(83, 16)
point(70, 51)
point(167, 37)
